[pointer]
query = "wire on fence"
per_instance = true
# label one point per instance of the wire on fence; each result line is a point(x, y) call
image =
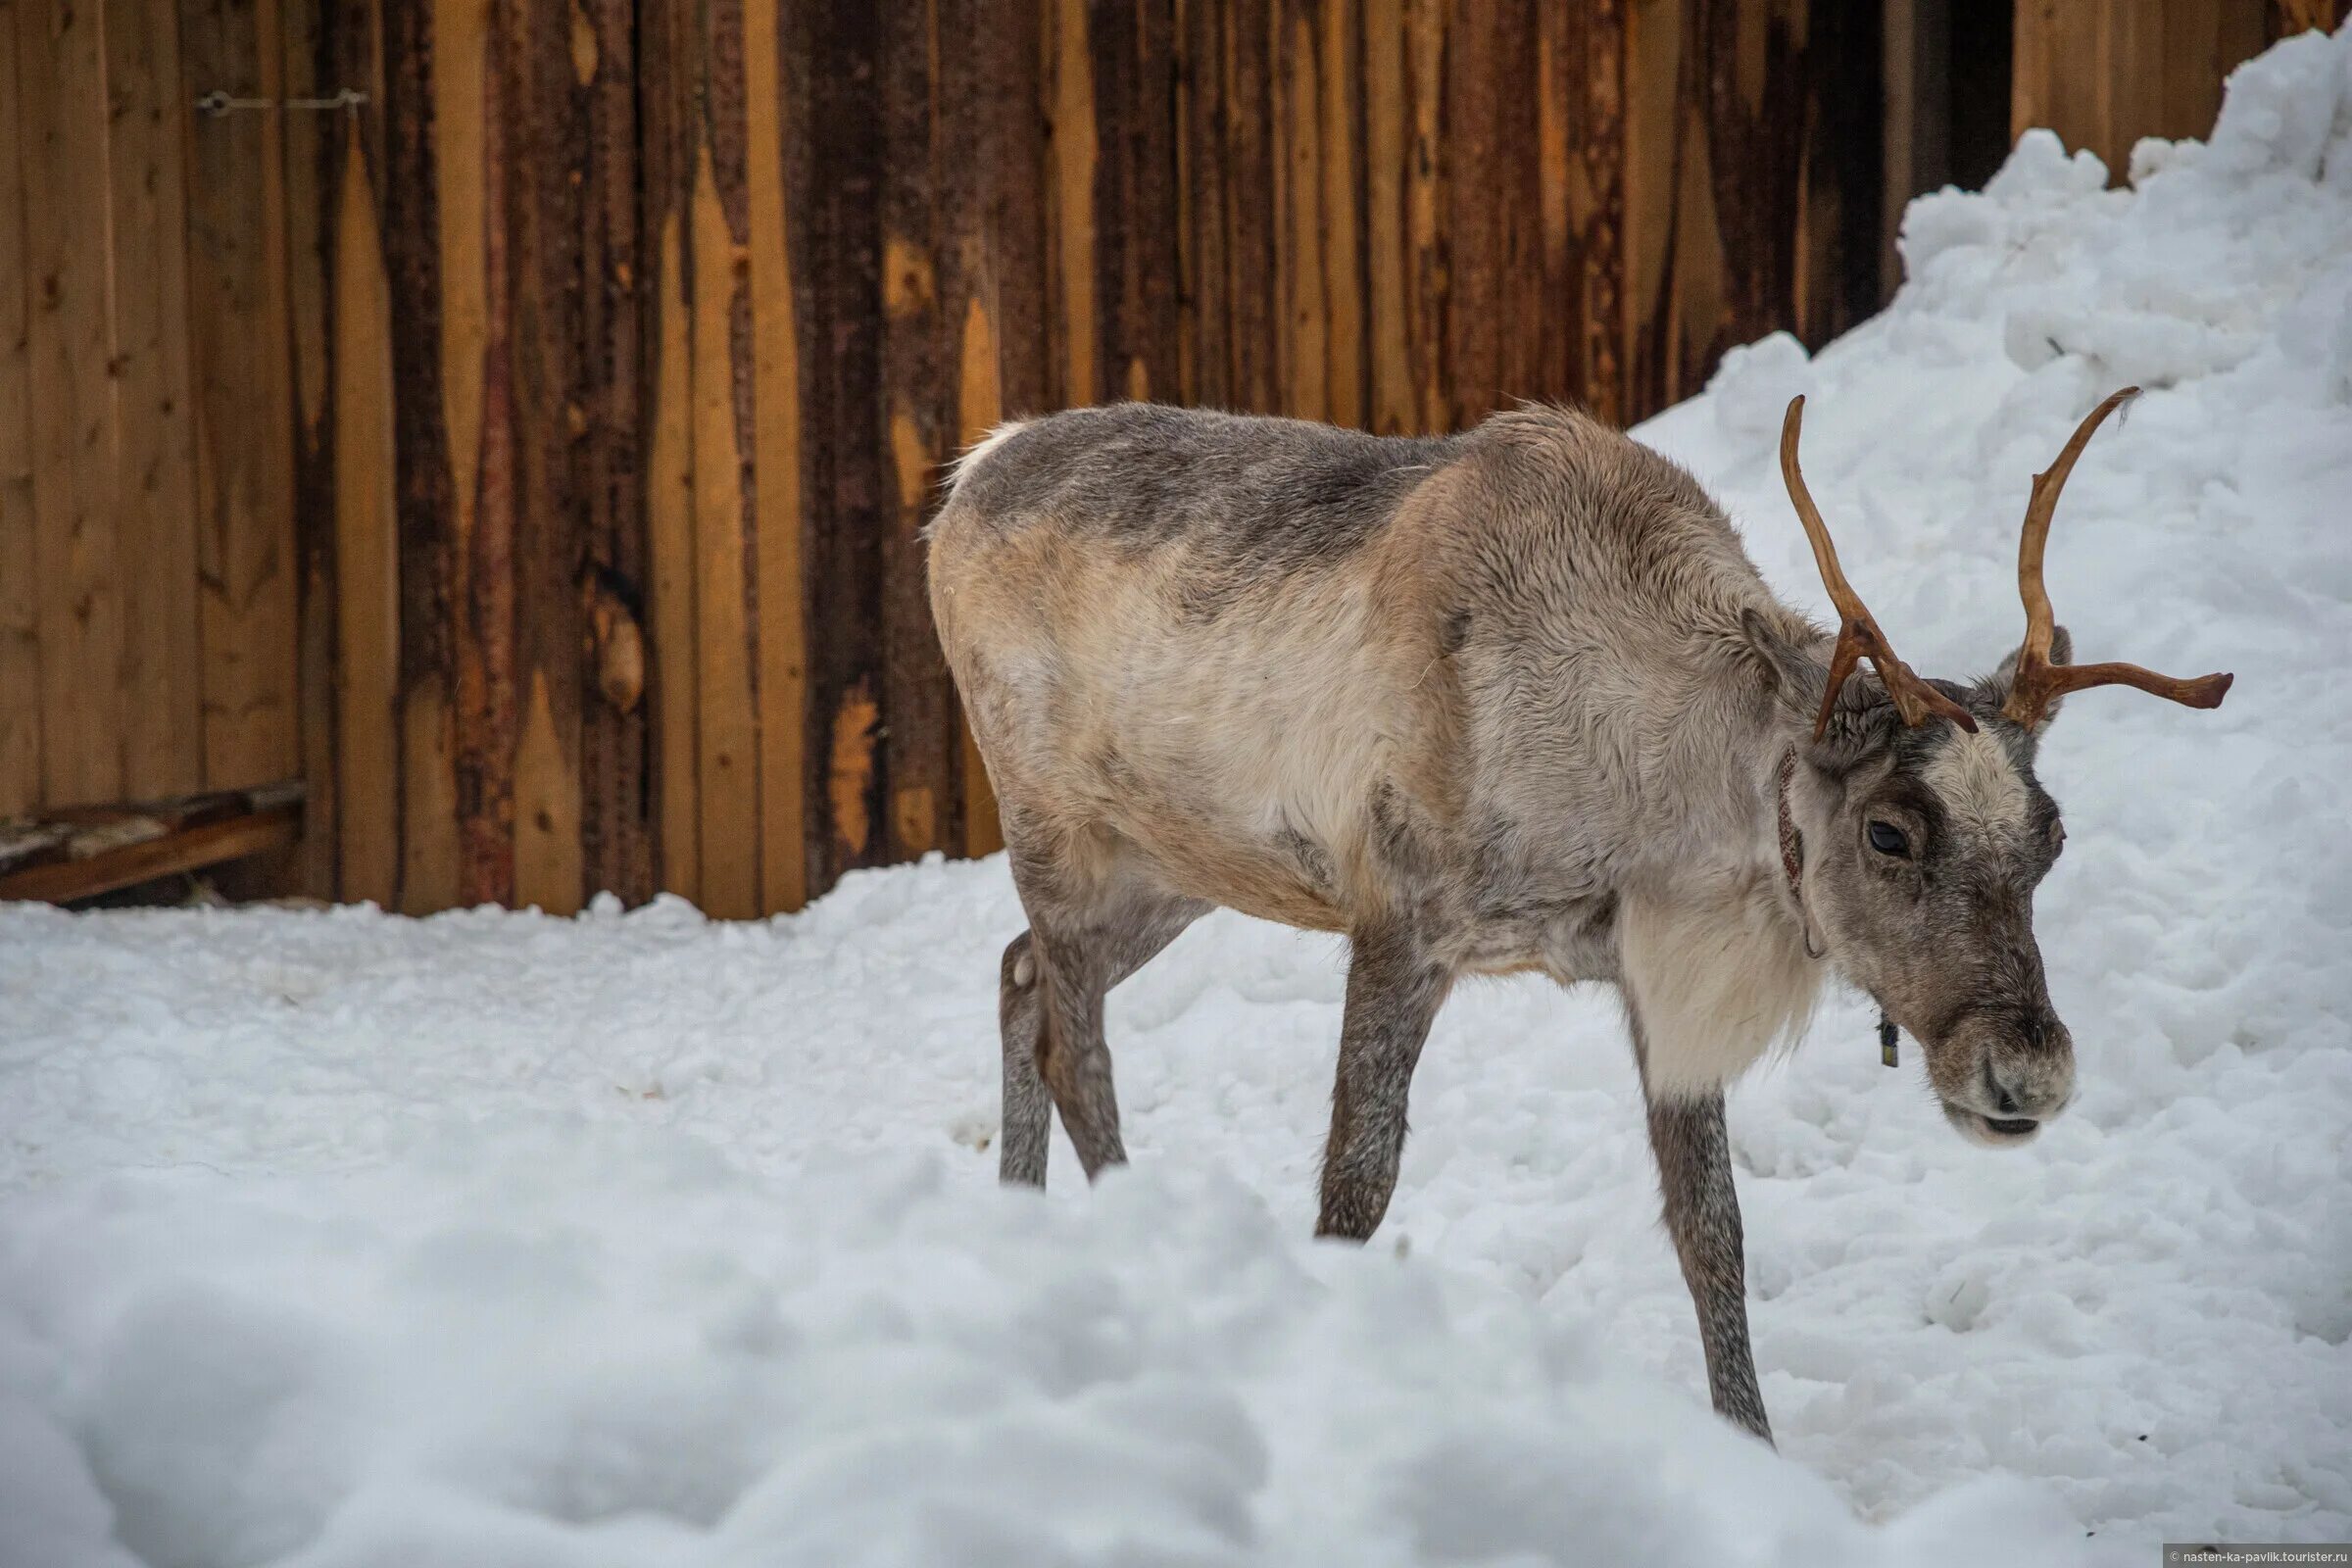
point(220, 102)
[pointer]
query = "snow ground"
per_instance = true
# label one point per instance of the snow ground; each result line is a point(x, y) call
point(334, 1238)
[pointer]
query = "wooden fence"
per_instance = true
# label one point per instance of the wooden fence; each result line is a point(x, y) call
point(146, 608)
point(531, 457)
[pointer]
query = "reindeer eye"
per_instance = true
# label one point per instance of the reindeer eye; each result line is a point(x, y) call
point(1887, 838)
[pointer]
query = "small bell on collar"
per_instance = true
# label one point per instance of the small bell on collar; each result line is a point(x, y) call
point(1887, 1036)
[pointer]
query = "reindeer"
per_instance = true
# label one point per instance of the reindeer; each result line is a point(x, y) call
point(1503, 701)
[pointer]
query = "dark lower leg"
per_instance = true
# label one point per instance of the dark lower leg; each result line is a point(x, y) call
point(1075, 1062)
point(1028, 1124)
point(1702, 1214)
point(1069, 974)
point(1393, 995)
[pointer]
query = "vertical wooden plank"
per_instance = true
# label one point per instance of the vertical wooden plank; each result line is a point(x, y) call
point(1592, 78)
point(1004, 361)
point(358, 440)
point(155, 454)
point(1916, 129)
point(665, 69)
point(2202, 42)
point(1341, 132)
point(238, 313)
point(1252, 220)
point(724, 616)
point(1137, 258)
point(2030, 63)
point(548, 65)
point(1745, 121)
point(2061, 69)
point(966, 317)
point(1842, 180)
point(1112, 222)
point(1188, 376)
point(616, 810)
point(1154, 268)
point(669, 505)
point(1388, 149)
point(914, 696)
point(1075, 154)
point(62, 82)
point(1691, 326)
point(979, 407)
point(366, 547)
point(851, 577)
point(1652, 172)
point(1430, 286)
point(1478, 88)
point(834, 174)
point(1306, 311)
point(1557, 373)
point(2183, 52)
point(1202, 350)
point(1525, 305)
point(1675, 247)
point(309, 141)
point(783, 671)
point(477, 360)
point(1017, 163)
point(424, 487)
point(20, 574)
point(1976, 53)
point(2134, 80)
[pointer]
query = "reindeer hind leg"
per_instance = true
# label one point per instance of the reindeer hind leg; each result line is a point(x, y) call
point(1028, 1106)
point(1096, 917)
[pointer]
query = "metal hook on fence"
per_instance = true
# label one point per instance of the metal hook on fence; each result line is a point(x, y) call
point(220, 102)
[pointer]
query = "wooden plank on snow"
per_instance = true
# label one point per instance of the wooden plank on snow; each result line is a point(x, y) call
point(99, 853)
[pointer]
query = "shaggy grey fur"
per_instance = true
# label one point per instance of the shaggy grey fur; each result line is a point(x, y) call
point(1504, 700)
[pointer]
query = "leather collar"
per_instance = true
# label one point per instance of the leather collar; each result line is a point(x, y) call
point(1793, 853)
point(1792, 843)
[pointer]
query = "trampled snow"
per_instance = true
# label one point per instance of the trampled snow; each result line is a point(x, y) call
point(336, 1239)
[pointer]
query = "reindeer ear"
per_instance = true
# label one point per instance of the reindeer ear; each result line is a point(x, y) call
point(1798, 668)
point(1993, 690)
point(1863, 722)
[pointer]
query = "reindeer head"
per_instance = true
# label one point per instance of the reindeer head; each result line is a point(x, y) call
point(1915, 831)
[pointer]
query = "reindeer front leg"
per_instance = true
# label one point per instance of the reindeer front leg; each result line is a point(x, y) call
point(1702, 1214)
point(1394, 989)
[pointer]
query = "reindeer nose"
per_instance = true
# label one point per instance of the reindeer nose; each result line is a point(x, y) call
point(2004, 1104)
point(2032, 1080)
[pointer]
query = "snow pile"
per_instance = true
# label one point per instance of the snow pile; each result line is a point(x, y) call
point(597, 1346)
point(335, 1240)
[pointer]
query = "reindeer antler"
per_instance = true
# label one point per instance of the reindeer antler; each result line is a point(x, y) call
point(2040, 682)
point(1858, 635)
